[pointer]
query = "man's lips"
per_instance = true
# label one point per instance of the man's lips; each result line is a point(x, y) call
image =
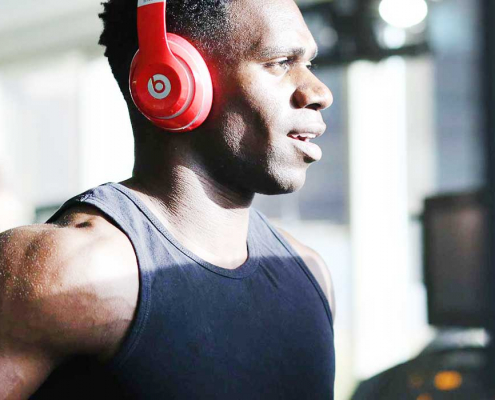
point(307, 133)
point(303, 138)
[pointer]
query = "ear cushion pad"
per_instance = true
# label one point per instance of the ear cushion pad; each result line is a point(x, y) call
point(200, 96)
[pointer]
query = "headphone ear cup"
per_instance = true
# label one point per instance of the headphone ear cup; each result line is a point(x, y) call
point(201, 94)
point(199, 97)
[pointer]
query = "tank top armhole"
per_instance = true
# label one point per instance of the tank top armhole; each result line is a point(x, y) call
point(302, 264)
point(138, 323)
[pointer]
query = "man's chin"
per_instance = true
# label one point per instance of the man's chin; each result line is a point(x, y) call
point(279, 192)
point(283, 185)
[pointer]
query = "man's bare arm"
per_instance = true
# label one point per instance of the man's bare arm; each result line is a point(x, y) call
point(61, 294)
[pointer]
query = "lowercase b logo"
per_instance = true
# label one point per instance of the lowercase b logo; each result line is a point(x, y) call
point(159, 86)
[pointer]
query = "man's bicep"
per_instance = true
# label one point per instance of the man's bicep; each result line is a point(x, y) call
point(64, 292)
point(24, 364)
point(22, 370)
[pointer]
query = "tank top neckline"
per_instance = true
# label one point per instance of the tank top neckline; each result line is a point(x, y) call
point(244, 270)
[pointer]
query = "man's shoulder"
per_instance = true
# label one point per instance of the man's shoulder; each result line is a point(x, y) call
point(77, 277)
point(316, 265)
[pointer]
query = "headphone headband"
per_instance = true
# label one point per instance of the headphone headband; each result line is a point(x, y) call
point(152, 30)
point(146, 2)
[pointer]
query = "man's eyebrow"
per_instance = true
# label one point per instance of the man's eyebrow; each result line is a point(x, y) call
point(278, 51)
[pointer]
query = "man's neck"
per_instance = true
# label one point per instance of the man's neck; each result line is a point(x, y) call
point(206, 217)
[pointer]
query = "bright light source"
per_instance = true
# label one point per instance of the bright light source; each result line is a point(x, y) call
point(403, 13)
point(393, 38)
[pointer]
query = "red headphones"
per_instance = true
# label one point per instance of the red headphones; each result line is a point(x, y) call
point(169, 80)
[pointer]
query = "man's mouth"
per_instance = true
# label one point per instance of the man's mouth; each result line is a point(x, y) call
point(311, 150)
point(303, 137)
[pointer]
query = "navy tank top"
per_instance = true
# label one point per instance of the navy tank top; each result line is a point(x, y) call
point(262, 331)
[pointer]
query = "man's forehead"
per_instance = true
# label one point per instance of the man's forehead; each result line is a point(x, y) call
point(266, 27)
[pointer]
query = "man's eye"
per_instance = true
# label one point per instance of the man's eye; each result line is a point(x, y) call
point(288, 63)
point(284, 64)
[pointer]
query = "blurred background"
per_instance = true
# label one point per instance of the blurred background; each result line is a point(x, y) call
point(400, 207)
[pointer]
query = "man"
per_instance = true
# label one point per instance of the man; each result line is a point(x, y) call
point(169, 285)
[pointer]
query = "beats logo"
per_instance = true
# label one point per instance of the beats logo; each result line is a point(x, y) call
point(159, 86)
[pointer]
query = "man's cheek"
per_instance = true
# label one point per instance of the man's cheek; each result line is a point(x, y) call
point(264, 99)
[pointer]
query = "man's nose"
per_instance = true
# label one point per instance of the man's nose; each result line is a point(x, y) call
point(312, 93)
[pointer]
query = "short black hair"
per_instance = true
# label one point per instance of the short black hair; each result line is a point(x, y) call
point(202, 22)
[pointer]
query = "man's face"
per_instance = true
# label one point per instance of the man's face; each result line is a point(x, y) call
point(263, 99)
